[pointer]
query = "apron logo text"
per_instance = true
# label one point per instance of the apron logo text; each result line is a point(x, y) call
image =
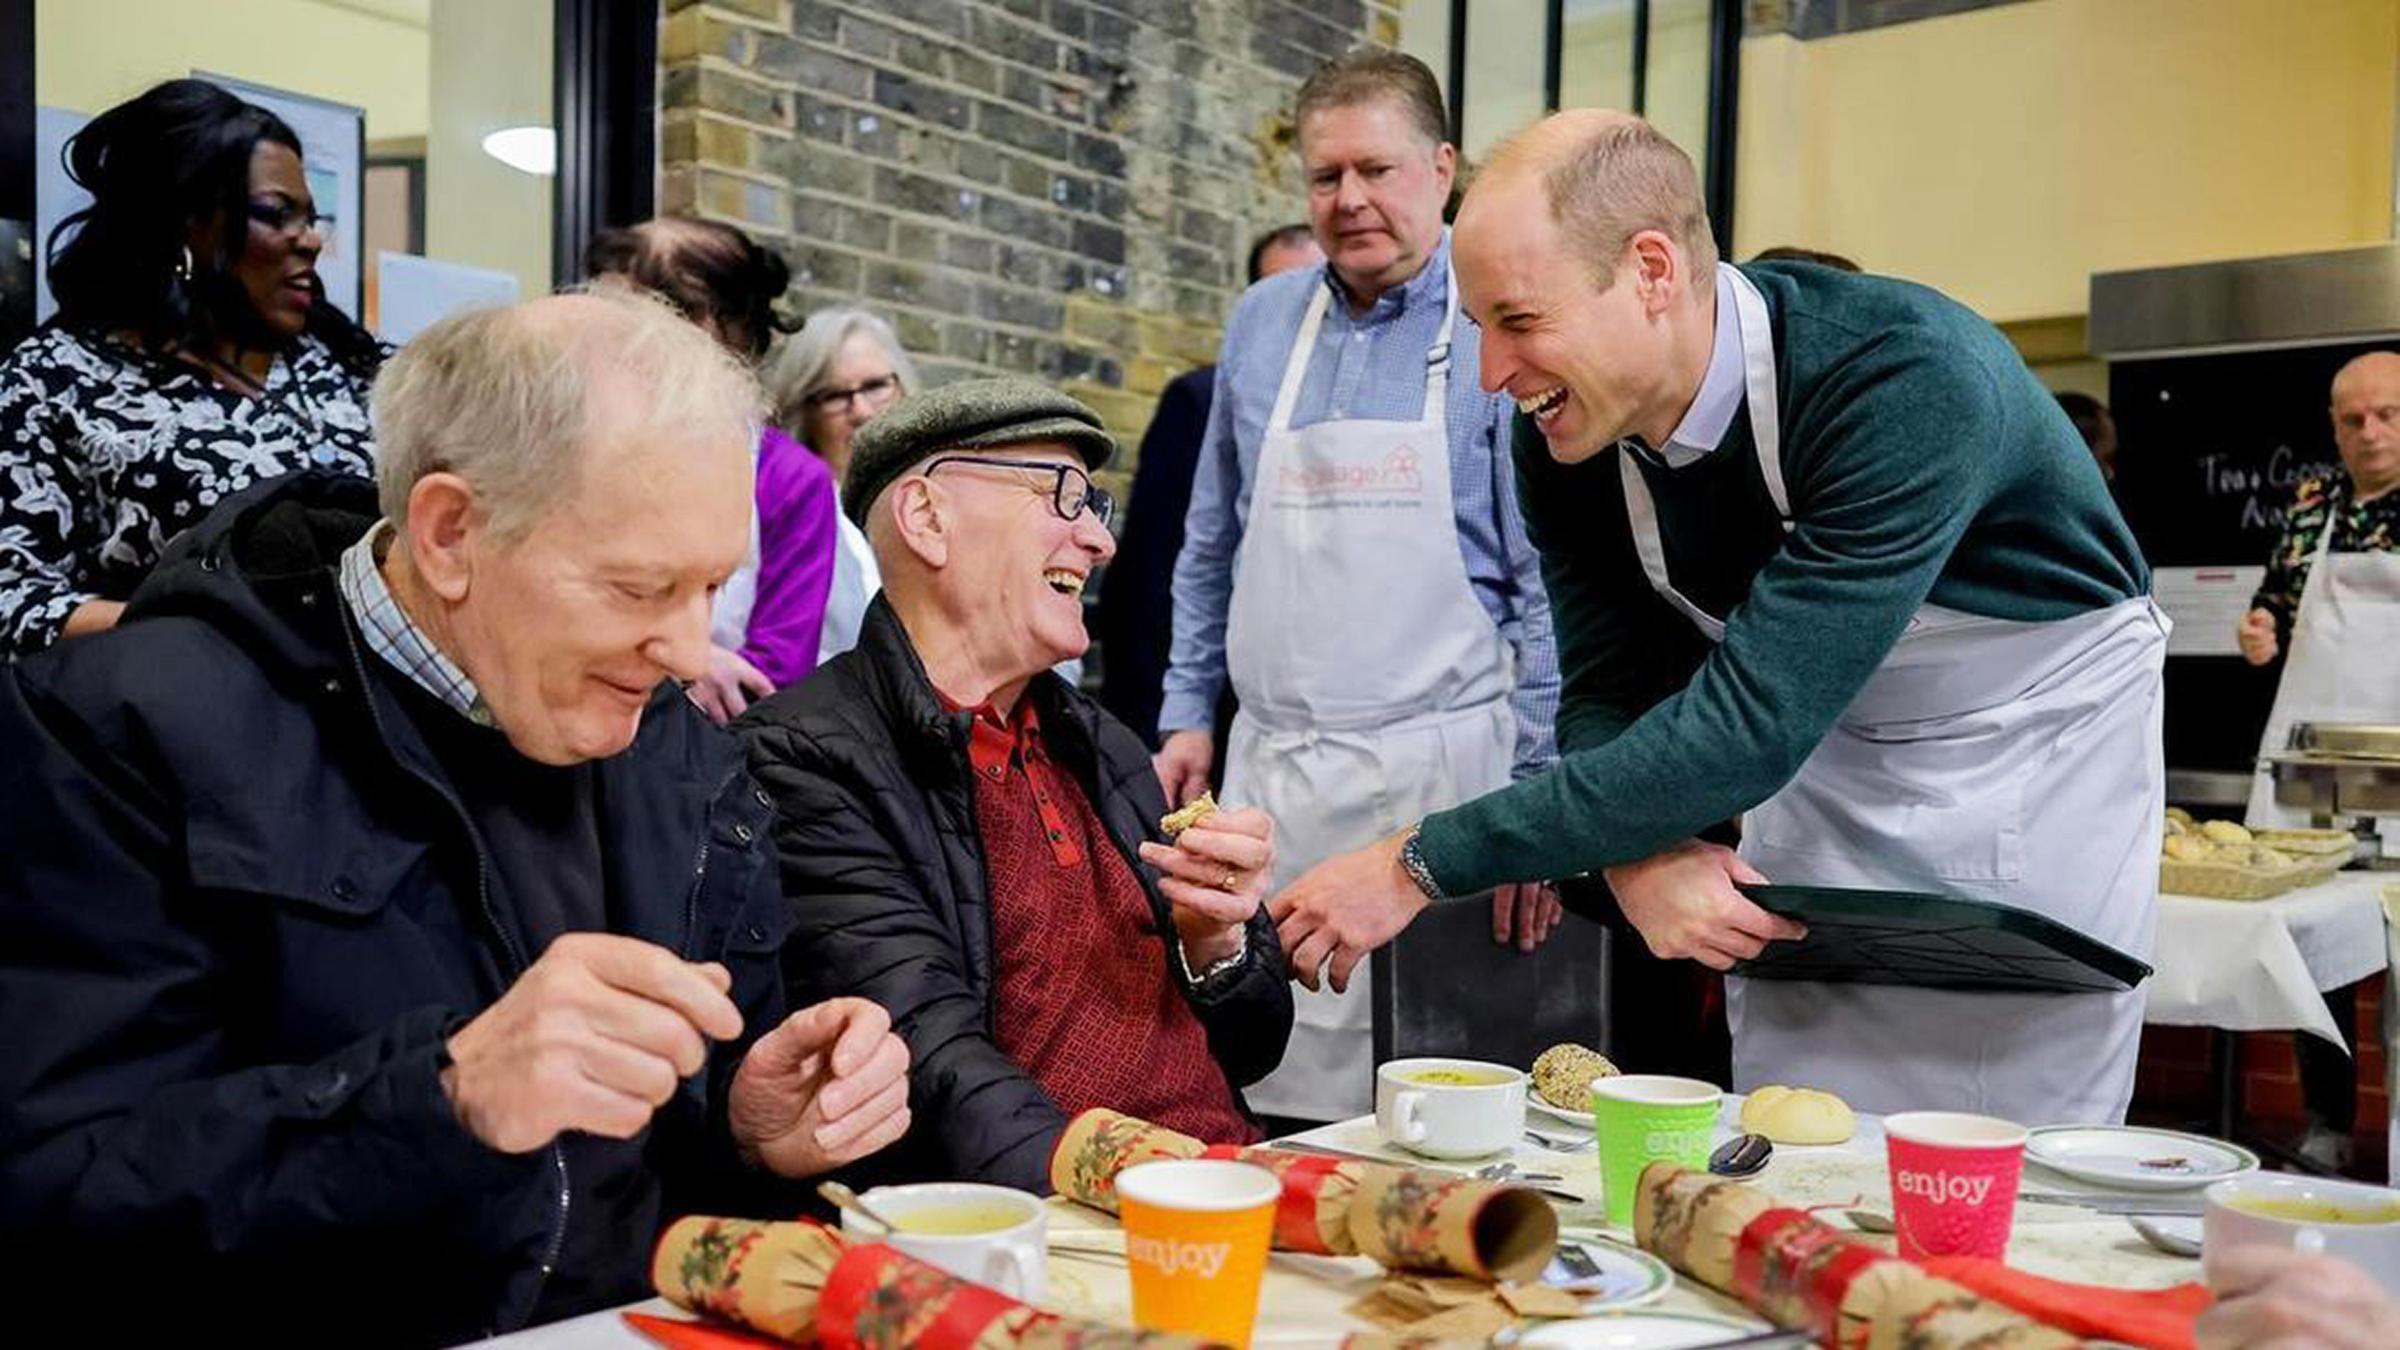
point(1401, 470)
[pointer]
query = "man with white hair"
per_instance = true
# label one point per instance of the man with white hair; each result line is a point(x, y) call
point(974, 844)
point(390, 946)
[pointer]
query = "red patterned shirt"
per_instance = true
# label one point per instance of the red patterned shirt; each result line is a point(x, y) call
point(1087, 1005)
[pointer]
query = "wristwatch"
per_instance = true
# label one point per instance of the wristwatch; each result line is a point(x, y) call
point(1213, 969)
point(1412, 861)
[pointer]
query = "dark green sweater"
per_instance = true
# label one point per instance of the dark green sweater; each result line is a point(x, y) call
point(1924, 463)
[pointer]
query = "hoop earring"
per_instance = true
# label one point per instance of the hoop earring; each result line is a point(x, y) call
point(183, 264)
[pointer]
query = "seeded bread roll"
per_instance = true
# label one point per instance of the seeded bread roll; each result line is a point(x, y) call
point(1563, 1075)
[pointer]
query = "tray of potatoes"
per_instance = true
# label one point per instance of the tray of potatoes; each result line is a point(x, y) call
point(2221, 860)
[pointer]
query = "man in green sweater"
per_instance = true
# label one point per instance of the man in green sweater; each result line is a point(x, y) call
point(1824, 556)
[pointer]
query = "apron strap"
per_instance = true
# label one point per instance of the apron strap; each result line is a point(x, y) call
point(1643, 513)
point(1758, 389)
point(1437, 357)
point(1758, 381)
point(1296, 366)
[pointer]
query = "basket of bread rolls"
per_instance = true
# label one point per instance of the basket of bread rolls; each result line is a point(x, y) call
point(2222, 860)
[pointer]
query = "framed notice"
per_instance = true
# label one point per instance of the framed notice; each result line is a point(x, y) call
point(55, 196)
point(333, 151)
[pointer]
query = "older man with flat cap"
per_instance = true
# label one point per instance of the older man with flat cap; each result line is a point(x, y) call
point(978, 847)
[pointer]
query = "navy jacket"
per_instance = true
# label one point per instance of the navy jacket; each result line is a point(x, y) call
point(240, 912)
point(1135, 617)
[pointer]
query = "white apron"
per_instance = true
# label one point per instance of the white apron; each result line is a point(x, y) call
point(2344, 664)
point(1374, 688)
point(1986, 758)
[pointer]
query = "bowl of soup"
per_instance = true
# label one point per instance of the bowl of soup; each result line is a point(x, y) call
point(2354, 1221)
point(989, 1234)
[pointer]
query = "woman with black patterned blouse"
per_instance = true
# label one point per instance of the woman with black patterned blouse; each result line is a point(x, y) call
point(193, 354)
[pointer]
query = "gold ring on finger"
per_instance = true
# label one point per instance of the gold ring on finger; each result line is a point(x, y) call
point(1228, 881)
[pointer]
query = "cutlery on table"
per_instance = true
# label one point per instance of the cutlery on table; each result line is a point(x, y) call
point(1297, 1146)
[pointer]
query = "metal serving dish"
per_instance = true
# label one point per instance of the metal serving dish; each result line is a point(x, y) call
point(2354, 741)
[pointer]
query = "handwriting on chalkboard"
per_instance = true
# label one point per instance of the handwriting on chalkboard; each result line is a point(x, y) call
point(2222, 476)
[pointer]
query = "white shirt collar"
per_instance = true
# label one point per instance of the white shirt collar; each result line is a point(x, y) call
point(1711, 415)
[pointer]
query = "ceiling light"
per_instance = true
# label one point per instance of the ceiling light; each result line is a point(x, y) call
point(531, 150)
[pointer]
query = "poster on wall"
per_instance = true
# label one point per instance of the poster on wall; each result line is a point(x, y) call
point(55, 196)
point(333, 150)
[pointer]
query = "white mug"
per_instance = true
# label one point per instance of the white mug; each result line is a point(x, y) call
point(1450, 1119)
point(2372, 1246)
point(1013, 1257)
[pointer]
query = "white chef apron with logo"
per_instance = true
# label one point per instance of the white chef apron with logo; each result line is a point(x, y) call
point(1989, 759)
point(2344, 665)
point(1374, 687)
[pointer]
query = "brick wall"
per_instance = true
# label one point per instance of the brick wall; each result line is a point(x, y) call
point(1059, 188)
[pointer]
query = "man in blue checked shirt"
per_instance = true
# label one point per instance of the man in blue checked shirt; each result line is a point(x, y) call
point(1354, 559)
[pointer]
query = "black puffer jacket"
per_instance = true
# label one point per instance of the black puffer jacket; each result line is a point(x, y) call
point(884, 868)
point(240, 911)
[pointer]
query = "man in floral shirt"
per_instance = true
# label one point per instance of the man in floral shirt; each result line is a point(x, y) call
point(2364, 511)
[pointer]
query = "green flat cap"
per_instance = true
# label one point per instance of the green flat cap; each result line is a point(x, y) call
point(966, 415)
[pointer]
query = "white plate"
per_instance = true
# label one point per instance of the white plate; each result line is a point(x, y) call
point(2124, 1156)
point(1636, 1331)
point(1582, 1118)
point(1628, 1278)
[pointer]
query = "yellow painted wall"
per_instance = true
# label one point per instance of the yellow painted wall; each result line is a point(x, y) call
point(2005, 154)
point(92, 54)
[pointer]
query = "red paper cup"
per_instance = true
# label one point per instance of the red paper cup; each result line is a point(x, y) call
point(1954, 1182)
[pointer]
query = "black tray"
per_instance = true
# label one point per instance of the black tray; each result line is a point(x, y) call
point(1932, 942)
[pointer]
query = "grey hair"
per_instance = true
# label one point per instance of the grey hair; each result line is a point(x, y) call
point(803, 365)
point(504, 398)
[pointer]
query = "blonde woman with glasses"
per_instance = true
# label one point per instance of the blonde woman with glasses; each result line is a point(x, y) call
point(842, 368)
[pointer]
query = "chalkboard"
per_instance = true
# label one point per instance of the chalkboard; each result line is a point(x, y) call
point(2210, 448)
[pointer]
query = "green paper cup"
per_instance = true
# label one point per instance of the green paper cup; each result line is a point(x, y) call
point(1643, 1118)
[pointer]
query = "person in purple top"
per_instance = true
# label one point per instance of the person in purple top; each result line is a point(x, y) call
point(770, 615)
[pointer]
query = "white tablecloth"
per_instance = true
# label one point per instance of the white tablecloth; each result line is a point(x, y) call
point(1305, 1299)
point(2260, 965)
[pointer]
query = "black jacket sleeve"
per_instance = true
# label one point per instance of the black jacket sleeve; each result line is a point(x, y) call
point(863, 926)
point(128, 1119)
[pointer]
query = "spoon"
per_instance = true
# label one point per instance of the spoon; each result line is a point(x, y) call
point(1868, 1221)
point(2165, 1239)
point(846, 1199)
point(1744, 1155)
point(1556, 1143)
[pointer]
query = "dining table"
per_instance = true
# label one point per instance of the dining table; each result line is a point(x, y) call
point(1308, 1301)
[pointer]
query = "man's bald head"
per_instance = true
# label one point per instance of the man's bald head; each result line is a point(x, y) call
point(1607, 176)
point(2366, 421)
point(2371, 369)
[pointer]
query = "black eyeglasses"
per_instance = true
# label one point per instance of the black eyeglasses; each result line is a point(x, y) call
point(1071, 492)
point(290, 218)
point(873, 393)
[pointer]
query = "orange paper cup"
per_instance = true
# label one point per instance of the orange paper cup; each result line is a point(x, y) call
point(1196, 1237)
